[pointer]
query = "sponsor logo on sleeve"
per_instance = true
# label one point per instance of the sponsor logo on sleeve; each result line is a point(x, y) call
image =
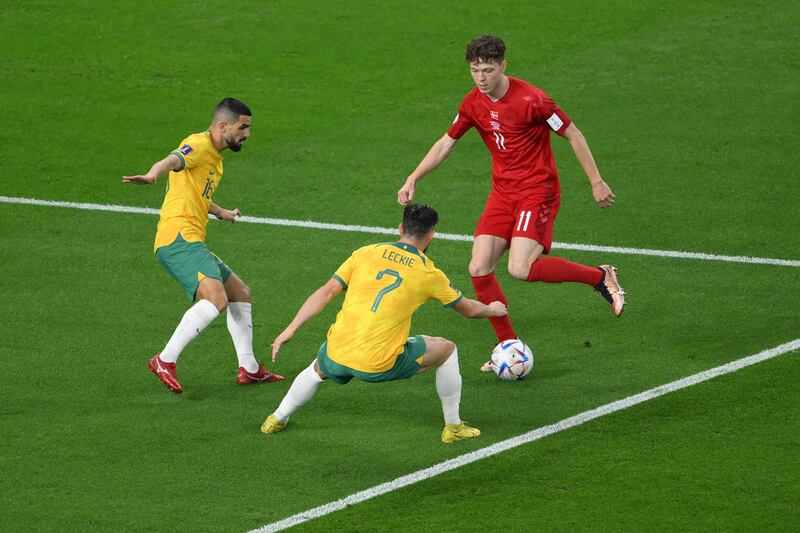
point(555, 122)
point(185, 149)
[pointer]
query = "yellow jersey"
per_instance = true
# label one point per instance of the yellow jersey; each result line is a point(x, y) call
point(189, 190)
point(385, 284)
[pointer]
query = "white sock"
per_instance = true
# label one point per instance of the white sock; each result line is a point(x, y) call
point(240, 326)
point(193, 322)
point(448, 385)
point(303, 388)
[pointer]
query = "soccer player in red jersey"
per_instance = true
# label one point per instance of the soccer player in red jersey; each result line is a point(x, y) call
point(514, 118)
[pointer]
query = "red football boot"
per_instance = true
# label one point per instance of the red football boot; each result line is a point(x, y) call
point(259, 376)
point(166, 373)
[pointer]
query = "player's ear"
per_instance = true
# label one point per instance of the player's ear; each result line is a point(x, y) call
point(503, 66)
point(401, 229)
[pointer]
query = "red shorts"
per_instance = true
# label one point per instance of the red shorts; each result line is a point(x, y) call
point(530, 217)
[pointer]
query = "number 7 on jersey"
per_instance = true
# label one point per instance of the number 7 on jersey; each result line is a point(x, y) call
point(386, 290)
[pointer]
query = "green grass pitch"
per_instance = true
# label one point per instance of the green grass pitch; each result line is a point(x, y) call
point(691, 112)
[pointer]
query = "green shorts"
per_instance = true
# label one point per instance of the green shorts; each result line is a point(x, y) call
point(187, 260)
point(404, 367)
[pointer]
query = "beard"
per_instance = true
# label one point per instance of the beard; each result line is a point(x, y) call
point(233, 145)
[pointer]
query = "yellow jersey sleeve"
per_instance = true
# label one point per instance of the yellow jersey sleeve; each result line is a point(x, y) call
point(190, 153)
point(442, 290)
point(345, 271)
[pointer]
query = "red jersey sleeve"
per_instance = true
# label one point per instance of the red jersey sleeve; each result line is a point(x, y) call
point(544, 110)
point(462, 123)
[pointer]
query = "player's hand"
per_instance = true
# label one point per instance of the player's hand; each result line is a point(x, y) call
point(225, 214)
point(406, 194)
point(141, 180)
point(279, 341)
point(603, 194)
point(498, 309)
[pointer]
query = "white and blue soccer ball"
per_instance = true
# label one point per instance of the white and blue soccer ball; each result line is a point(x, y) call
point(512, 360)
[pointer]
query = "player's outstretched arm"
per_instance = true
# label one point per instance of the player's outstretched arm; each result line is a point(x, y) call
point(223, 214)
point(170, 163)
point(311, 308)
point(438, 153)
point(475, 309)
point(600, 190)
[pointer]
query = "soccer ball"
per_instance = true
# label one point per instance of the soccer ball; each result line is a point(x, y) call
point(512, 360)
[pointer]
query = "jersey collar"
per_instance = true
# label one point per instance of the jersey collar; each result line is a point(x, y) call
point(410, 248)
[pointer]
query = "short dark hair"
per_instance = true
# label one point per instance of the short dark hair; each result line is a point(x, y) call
point(418, 220)
point(230, 109)
point(485, 49)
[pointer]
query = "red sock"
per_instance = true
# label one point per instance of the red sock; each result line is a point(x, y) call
point(557, 270)
point(488, 290)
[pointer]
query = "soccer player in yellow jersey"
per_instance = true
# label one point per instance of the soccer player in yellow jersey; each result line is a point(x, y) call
point(195, 170)
point(385, 283)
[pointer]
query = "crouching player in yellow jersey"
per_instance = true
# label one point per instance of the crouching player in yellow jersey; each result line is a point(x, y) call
point(195, 170)
point(385, 284)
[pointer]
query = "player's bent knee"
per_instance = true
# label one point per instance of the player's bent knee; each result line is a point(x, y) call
point(442, 348)
point(212, 290)
point(319, 371)
point(220, 303)
point(479, 268)
point(437, 351)
point(519, 270)
point(448, 347)
point(244, 294)
point(236, 290)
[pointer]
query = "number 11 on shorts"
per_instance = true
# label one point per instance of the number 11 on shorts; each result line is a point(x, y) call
point(524, 219)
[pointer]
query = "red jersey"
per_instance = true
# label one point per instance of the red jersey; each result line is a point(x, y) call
point(516, 129)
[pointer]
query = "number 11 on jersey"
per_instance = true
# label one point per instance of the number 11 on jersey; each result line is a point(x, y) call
point(384, 291)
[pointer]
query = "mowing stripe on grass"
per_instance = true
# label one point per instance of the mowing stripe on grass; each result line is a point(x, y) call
point(525, 438)
point(393, 231)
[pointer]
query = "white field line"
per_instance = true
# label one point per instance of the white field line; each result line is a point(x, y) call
point(444, 236)
point(536, 434)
